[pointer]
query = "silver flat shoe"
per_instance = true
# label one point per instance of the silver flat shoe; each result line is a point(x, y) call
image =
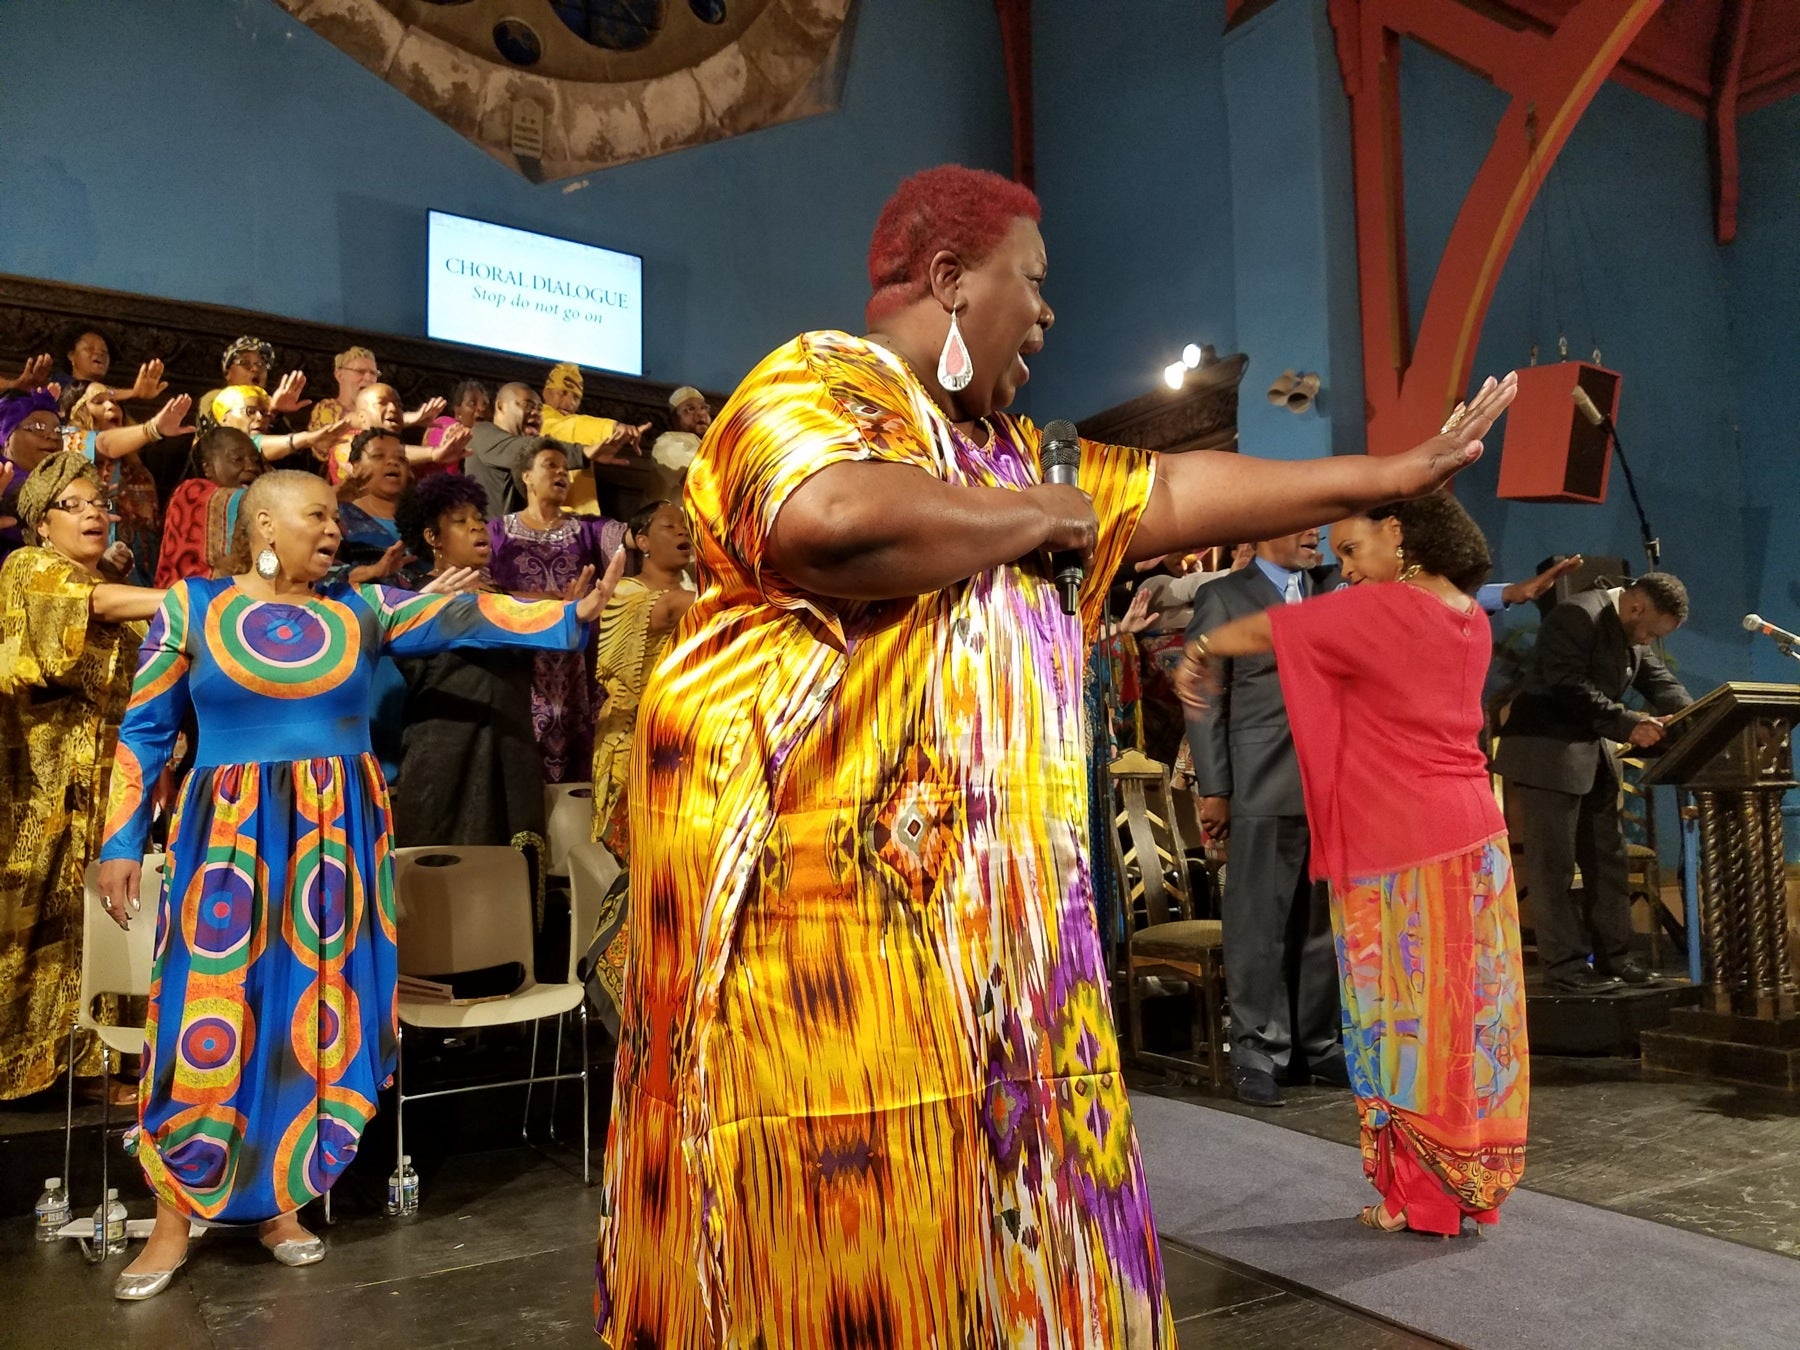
point(146, 1284)
point(307, 1251)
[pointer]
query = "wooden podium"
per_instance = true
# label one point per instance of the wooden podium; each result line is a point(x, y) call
point(1733, 750)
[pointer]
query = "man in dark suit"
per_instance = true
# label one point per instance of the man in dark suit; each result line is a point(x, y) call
point(1559, 769)
point(1280, 960)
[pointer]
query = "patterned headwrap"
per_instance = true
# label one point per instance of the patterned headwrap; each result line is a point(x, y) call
point(247, 344)
point(565, 376)
point(46, 483)
point(236, 398)
point(686, 394)
point(18, 407)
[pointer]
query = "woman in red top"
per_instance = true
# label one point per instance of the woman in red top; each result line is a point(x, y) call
point(1383, 682)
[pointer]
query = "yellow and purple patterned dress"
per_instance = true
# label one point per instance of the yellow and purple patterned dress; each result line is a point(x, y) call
point(272, 1014)
point(65, 678)
point(868, 1086)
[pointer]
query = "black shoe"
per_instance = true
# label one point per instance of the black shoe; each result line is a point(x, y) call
point(1332, 1073)
point(1256, 1088)
point(1632, 971)
point(1583, 980)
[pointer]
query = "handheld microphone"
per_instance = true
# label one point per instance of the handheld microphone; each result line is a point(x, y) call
point(1060, 455)
point(1755, 623)
point(1588, 408)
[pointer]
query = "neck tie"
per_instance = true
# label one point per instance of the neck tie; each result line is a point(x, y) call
point(1296, 588)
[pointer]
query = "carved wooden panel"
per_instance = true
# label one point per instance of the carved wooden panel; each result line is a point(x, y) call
point(1201, 415)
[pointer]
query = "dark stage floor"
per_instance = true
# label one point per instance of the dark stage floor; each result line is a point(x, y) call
point(502, 1252)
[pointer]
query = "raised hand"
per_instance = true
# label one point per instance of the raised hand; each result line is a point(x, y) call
point(590, 606)
point(453, 445)
point(1139, 616)
point(170, 418)
point(624, 437)
point(150, 382)
point(1197, 677)
point(1426, 468)
point(286, 398)
point(32, 375)
point(453, 581)
point(427, 411)
point(583, 583)
point(1519, 592)
point(115, 563)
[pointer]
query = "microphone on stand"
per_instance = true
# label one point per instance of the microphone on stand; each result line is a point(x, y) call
point(1590, 409)
point(1755, 623)
point(1060, 455)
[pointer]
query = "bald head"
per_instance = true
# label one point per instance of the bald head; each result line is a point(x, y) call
point(378, 407)
point(518, 411)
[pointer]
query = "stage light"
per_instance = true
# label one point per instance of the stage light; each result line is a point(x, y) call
point(1173, 374)
point(1190, 356)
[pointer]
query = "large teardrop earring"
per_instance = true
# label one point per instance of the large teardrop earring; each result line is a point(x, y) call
point(955, 368)
point(267, 564)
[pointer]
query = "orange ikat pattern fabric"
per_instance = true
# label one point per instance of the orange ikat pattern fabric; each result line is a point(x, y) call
point(868, 1090)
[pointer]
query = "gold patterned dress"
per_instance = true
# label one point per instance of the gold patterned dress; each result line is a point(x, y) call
point(867, 1090)
point(625, 652)
point(65, 680)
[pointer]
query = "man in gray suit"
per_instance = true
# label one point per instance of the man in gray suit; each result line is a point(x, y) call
point(1559, 769)
point(1280, 960)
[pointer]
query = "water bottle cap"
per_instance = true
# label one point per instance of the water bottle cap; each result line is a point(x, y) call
point(51, 1183)
point(112, 1192)
point(406, 1157)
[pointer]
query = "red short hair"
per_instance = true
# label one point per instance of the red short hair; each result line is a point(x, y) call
point(967, 211)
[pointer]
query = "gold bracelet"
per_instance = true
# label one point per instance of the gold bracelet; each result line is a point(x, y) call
point(152, 432)
point(1200, 649)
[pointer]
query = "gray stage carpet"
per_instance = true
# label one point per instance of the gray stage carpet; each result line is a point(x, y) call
point(1553, 1274)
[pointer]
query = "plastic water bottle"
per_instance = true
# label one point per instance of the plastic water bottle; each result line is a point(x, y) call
point(109, 1224)
point(403, 1188)
point(52, 1210)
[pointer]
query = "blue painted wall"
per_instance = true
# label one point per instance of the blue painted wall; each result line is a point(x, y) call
point(1620, 248)
point(1133, 169)
point(247, 162)
point(1763, 302)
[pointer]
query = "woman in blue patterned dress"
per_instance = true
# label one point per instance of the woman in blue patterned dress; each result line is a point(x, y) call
point(272, 1015)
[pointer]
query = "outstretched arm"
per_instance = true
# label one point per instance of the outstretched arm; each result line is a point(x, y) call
point(1213, 497)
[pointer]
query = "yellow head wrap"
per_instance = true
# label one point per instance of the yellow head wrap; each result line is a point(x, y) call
point(565, 376)
point(46, 484)
point(237, 398)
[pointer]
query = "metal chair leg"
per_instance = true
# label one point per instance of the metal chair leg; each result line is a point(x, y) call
point(328, 1219)
point(69, 1116)
point(586, 1148)
point(399, 1097)
point(556, 1068)
point(530, 1079)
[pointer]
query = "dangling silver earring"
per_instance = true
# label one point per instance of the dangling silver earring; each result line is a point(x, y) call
point(267, 564)
point(955, 369)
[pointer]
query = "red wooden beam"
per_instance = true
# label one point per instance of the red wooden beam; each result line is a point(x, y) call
point(1411, 385)
point(1015, 45)
point(1722, 114)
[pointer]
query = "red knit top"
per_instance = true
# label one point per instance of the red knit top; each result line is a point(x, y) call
point(1383, 683)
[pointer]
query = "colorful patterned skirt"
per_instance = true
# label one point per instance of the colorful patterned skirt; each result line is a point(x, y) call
point(272, 1014)
point(1434, 1030)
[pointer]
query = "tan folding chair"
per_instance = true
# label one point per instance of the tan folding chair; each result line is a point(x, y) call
point(463, 909)
point(1166, 940)
point(114, 963)
point(568, 821)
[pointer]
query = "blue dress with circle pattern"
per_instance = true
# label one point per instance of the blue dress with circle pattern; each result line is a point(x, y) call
point(272, 1009)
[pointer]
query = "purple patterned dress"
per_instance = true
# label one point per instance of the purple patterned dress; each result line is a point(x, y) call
point(562, 692)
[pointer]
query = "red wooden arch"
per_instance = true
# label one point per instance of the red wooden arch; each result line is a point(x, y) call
point(1411, 385)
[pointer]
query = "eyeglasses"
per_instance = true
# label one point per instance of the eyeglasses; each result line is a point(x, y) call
point(74, 506)
point(370, 371)
point(40, 428)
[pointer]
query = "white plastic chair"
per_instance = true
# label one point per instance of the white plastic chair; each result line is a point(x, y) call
point(568, 821)
point(115, 962)
point(592, 871)
point(466, 908)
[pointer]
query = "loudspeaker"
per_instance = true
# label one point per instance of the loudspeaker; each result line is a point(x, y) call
point(1551, 452)
point(1594, 573)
